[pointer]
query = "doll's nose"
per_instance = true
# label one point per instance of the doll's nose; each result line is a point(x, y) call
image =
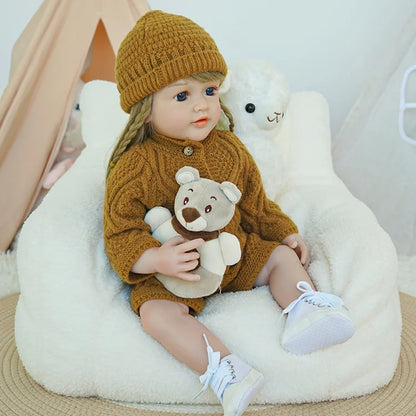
point(201, 105)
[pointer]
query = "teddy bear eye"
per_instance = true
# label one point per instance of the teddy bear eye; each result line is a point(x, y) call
point(250, 108)
point(186, 200)
point(208, 209)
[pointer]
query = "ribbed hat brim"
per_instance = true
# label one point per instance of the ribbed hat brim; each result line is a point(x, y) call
point(169, 72)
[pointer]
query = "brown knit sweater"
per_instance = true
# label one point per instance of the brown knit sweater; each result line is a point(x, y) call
point(144, 177)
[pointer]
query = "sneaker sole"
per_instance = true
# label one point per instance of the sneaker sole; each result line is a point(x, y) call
point(335, 329)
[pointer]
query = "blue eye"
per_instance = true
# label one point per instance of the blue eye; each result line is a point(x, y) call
point(210, 91)
point(181, 96)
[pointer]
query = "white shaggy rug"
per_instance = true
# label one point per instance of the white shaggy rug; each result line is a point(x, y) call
point(9, 285)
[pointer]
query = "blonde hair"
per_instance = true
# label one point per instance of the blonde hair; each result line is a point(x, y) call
point(137, 130)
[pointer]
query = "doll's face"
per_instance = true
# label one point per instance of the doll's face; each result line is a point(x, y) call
point(185, 109)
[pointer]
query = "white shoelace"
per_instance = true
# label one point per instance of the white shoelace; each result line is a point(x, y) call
point(319, 299)
point(219, 374)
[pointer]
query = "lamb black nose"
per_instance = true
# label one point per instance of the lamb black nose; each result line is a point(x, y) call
point(190, 214)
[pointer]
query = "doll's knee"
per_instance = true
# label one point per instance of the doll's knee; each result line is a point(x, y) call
point(282, 255)
point(157, 313)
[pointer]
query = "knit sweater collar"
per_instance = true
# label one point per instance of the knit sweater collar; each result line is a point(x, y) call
point(173, 144)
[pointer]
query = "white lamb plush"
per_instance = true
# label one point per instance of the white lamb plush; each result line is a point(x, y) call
point(258, 94)
point(77, 335)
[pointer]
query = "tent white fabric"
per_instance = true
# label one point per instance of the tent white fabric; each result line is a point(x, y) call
point(369, 155)
point(47, 64)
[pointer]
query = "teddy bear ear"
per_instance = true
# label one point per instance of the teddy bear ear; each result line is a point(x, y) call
point(231, 191)
point(226, 84)
point(186, 174)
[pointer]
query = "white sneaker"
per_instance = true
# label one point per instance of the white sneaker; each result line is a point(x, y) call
point(232, 380)
point(315, 321)
point(239, 393)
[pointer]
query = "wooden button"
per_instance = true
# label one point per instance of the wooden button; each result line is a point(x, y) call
point(188, 150)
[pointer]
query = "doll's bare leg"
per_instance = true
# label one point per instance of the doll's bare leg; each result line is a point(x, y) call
point(180, 333)
point(282, 272)
point(233, 381)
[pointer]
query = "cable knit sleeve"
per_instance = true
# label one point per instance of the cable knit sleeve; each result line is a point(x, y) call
point(258, 213)
point(126, 235)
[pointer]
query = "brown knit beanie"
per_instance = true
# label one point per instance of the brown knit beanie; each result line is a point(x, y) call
point(162, 48)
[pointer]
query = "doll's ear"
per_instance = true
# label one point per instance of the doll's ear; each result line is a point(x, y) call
point(186, 174)
point(226, 84)
point(231, 191)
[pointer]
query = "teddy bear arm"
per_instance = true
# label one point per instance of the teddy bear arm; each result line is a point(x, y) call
point(159, 219)
point(156, 216)
point(230, 248)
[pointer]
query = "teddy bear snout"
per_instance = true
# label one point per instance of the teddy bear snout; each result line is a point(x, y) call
point(190, 214)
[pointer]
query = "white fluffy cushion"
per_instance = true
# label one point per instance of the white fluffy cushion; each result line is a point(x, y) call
point(77, 335)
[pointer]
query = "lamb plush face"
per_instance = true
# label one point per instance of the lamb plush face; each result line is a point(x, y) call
point(257, 95)
point(202, 204)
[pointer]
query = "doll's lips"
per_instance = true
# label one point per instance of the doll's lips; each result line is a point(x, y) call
point(201, 122)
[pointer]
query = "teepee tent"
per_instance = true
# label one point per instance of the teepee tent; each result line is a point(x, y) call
point(47, 63)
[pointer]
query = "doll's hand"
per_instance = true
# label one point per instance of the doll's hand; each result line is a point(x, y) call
point(177, 257)
point(297, 243)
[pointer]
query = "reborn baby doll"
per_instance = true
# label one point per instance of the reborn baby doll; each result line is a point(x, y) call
point(168, 73)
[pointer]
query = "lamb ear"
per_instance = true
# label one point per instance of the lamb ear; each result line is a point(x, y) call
point(226, 84)
point(231, 191)
point(186, 174)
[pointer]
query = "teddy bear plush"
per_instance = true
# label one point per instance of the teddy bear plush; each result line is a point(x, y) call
point(257, 94)
point(202, 208)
